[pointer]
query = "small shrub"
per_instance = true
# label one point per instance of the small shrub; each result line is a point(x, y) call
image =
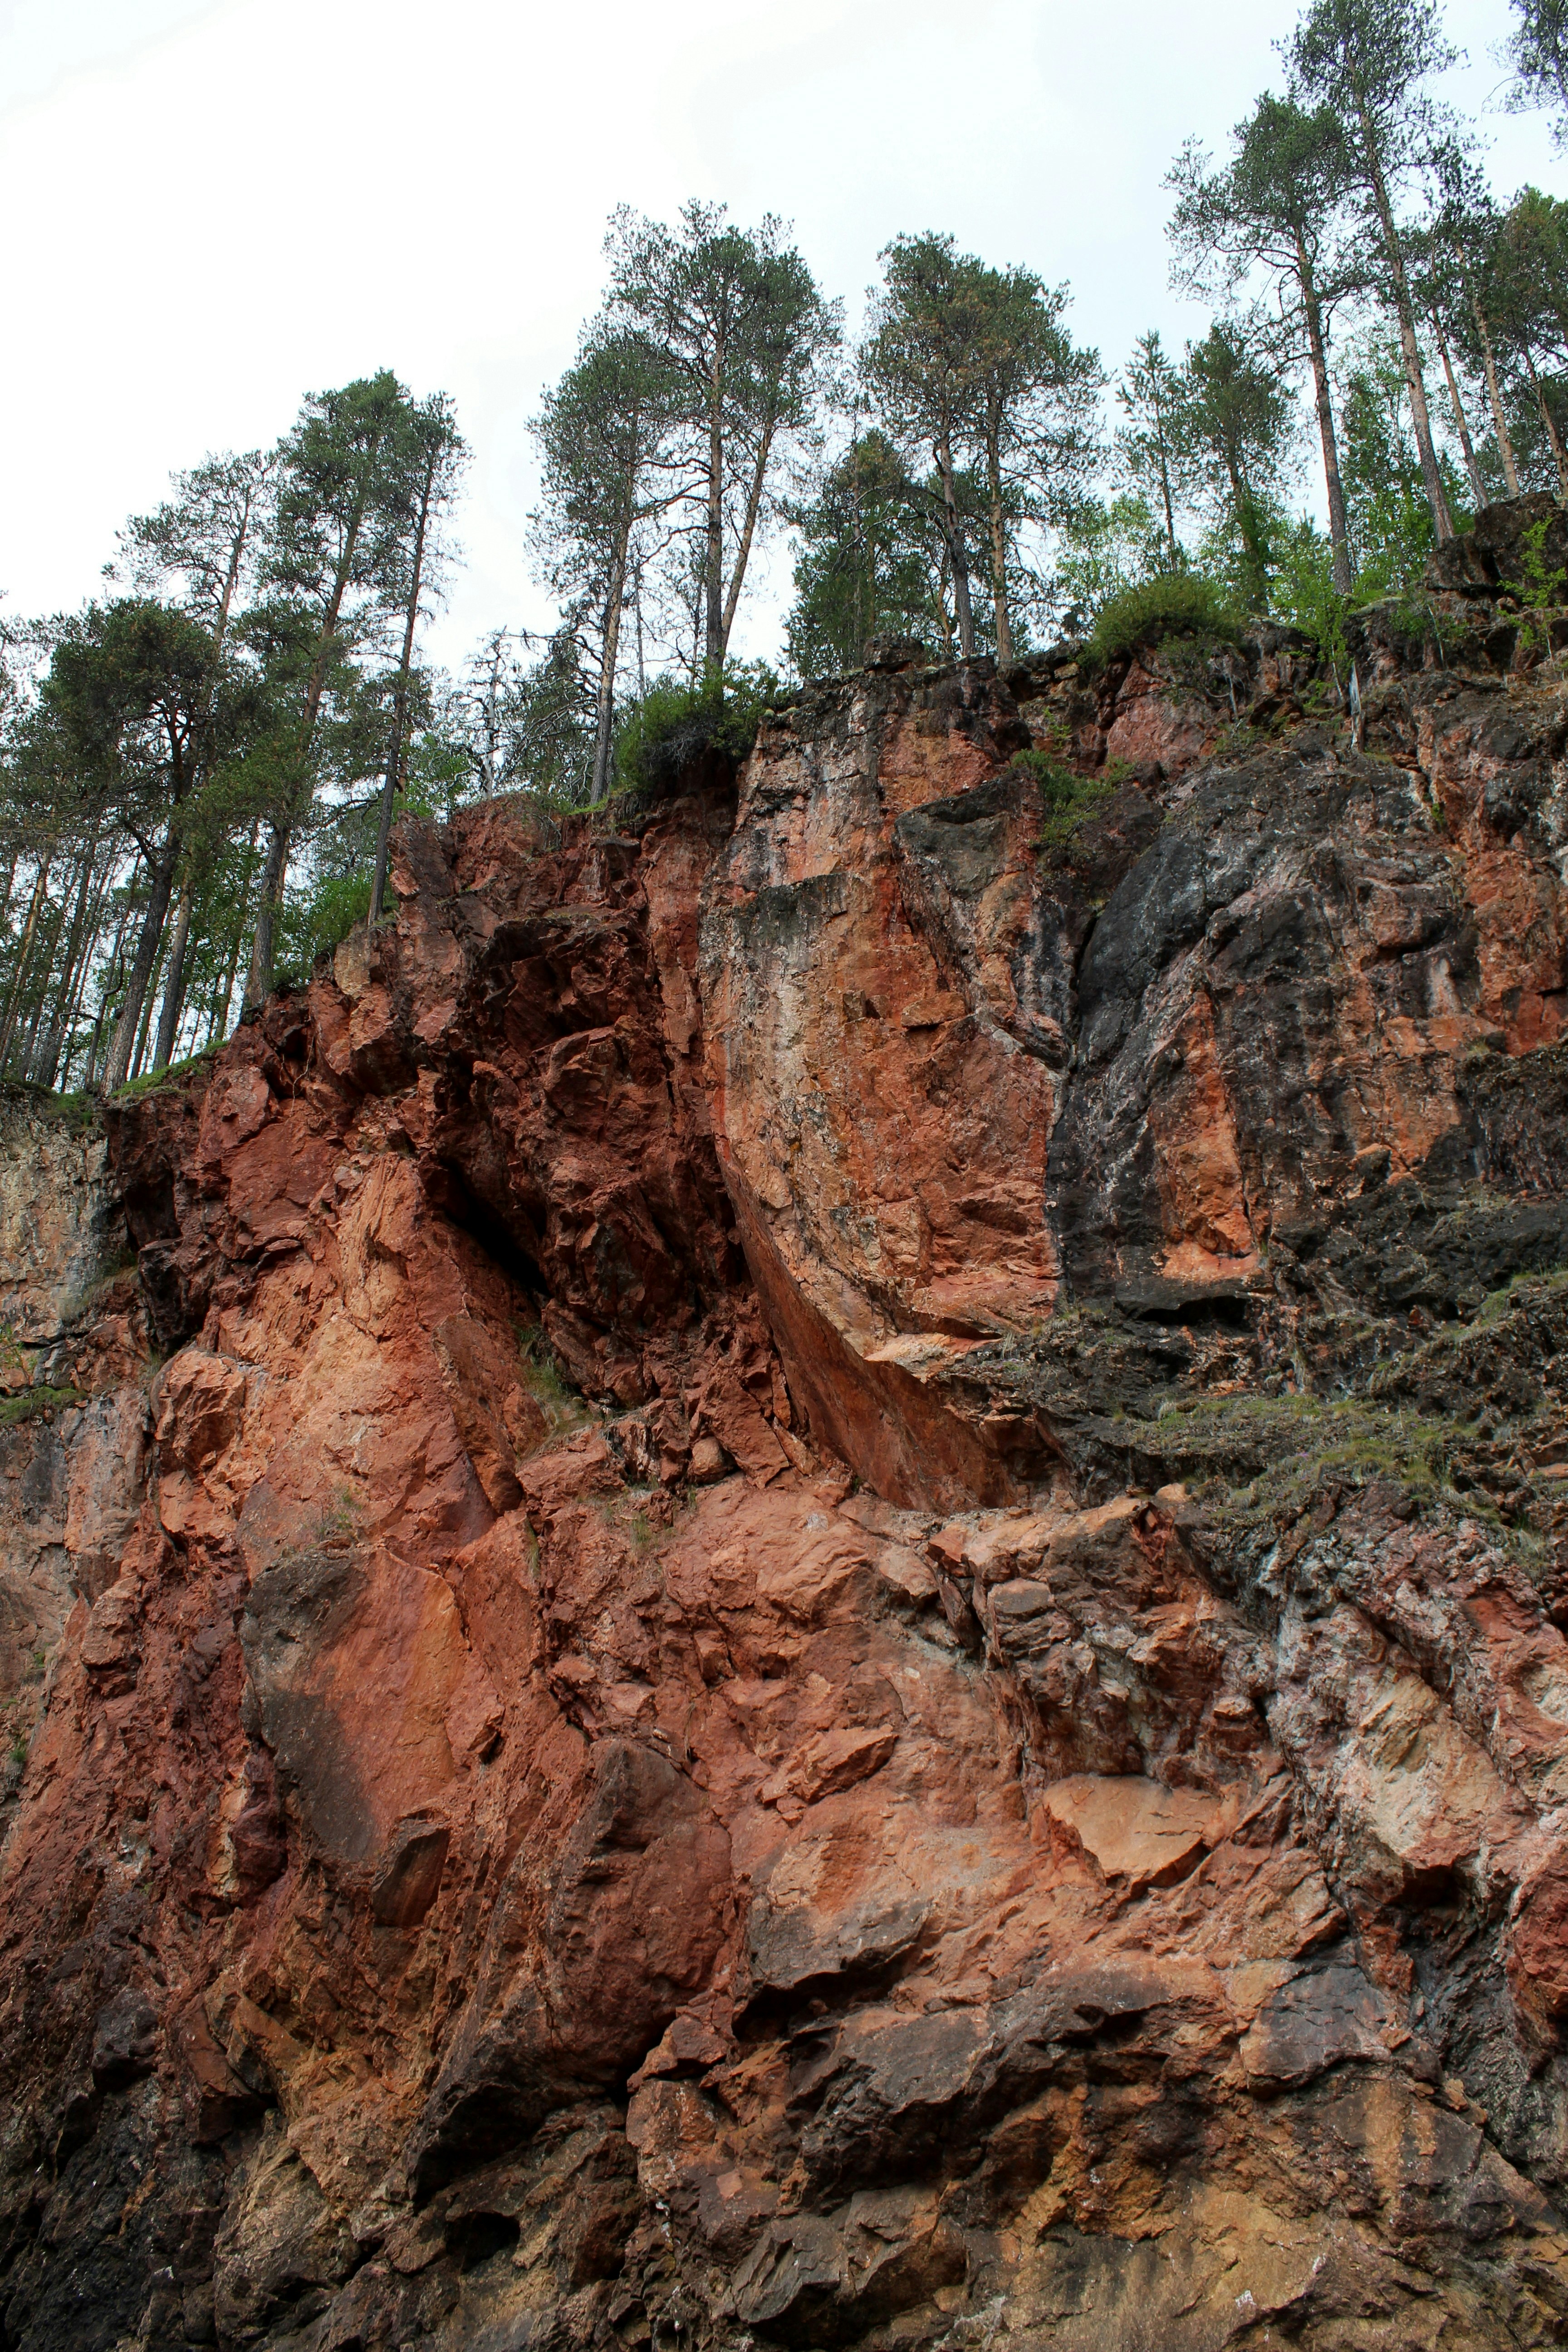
point(28, 1406)
point(675, 723)
point(1304, 595)
point(340, 1519)
point(561, 1405)
point(1174, 604)
point(1070, 799)
point(1498, 1302)
point(318, 921)
point(640, 1532)
point(1541, 592)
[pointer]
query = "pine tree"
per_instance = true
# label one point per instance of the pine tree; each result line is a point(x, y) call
point(335, 538)
point(1150, 448)
point(1036, 417)
point(1237, 427)
point(742, 333)
point(863, 563)
point(1537, 51)
point(132, 700)
point(429, 459)
point(1279, 208)
point(607, 432)
point(1365, 62)
point(921, 366)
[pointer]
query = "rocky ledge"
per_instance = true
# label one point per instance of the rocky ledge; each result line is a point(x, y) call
point(809, 1591)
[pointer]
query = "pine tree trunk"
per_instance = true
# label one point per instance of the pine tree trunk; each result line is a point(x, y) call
point(400, 699)
point(83, 974)
point(1547, 419)
point(175, 986)
point(748, 531)
point(1165, 481)
point(52, 934)
point(160, 876)
point(50, 1053)
point(275, 867)
point(1461, 421)
point(23, 957)
point(1499, 423)
point(1246, 523)
point(604, 716)
point(957, 556)
point(91, 1073)
point(258, 980)
point(1339, 527)
point(713, 563)
point(1420, 416)
point(139, 1059)
point(998, 550)
point(219, 1029)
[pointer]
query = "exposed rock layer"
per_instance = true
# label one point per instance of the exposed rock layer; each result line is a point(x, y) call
point(814, 1584)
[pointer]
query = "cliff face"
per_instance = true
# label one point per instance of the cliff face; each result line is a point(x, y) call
point(810, 1595)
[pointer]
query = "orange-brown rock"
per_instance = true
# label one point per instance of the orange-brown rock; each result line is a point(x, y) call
point(812, 1593)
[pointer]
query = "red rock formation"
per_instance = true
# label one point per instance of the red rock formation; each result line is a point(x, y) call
point(815, 1597)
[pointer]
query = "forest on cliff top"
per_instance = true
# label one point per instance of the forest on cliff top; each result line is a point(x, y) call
point(199, 769)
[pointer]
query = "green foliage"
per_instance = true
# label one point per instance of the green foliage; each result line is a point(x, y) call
point(320, 918)
point(1517, 1291)
point(741, 335)
point(1175, 604)
point(1542, 591)
point(641, 1533)
point(1103, 549)
point(1390, 519)
point(1071, 799)
point(1259, 1461)
point(1304, 593)
point(1151, 446)
point(32, 1402)
point(1537, 51)
point(675, 723)
point(864, 563)
point(1238, 428)
point(340, 1520)
point(561, 1404)
point(150, 1080)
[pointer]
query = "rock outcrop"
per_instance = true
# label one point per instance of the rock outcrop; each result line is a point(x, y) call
point(812, 1592)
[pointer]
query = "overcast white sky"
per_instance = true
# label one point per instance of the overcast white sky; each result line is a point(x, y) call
point(213, 205)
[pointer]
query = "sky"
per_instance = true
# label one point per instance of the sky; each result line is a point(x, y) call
point(214, 206)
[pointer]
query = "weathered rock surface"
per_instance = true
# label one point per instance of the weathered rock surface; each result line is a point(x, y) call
point(814, 1592)
point(73, 1419)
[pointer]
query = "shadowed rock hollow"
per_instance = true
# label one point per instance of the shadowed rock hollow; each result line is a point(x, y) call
point(809, 1593)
